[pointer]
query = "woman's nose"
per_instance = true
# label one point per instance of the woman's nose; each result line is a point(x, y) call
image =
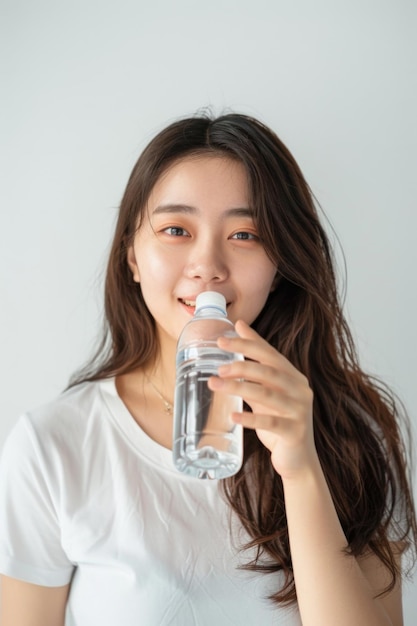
point(207, 263)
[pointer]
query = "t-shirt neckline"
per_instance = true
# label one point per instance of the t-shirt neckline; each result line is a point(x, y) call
point(155, 453)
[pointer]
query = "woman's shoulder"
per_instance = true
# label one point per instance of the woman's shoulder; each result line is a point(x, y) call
point(73, 404)
point(65, 418)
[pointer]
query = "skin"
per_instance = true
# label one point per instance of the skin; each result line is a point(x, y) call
point(189, 242)
point(24, 604)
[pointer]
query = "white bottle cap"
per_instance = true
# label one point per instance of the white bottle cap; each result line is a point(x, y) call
point(211, 299)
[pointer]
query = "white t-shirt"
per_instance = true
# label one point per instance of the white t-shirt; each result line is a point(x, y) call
point(86, 496)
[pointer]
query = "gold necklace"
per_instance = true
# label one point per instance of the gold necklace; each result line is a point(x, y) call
point(168, 405)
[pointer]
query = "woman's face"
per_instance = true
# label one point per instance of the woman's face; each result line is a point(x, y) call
point(198, 235)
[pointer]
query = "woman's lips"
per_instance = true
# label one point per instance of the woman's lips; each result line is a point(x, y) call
point(189, 304)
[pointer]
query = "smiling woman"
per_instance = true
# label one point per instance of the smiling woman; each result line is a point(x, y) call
point(199, 234)
point(312, 528)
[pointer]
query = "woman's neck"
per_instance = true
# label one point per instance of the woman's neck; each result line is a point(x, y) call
point(148, 394)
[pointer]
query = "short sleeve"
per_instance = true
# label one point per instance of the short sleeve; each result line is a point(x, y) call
point(30, 536)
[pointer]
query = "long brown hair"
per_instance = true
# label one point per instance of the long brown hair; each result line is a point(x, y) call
point(357, 420)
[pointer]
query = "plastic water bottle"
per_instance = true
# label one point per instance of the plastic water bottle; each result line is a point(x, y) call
point(207, 444)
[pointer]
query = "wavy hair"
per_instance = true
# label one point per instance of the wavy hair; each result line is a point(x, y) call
point(356, 418)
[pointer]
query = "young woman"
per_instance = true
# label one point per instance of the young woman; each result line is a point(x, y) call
point(98, 527)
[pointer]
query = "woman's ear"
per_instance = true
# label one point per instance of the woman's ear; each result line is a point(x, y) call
point(131, 261)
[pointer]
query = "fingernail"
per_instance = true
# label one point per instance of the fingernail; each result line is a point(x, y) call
point(223, 370)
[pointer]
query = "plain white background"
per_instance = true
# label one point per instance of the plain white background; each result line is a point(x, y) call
point(86, 84)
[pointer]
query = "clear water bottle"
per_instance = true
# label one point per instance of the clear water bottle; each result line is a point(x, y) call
point(207, 444)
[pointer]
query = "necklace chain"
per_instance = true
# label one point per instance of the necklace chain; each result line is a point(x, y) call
point(168, 404)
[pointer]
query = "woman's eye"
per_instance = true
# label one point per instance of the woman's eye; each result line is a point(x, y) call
point(245, 236)
point(176, 231)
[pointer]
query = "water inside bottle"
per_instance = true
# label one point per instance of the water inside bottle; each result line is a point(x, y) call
point(207, 444)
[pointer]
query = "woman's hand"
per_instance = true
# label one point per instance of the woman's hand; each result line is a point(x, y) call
point(279, 396)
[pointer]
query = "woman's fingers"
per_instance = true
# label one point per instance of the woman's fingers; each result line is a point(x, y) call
point(255, 421)
point(265, 377)
point(255, 348)
point(283, 376)
point(248, 342)
point(278, 394)
point(279, 398)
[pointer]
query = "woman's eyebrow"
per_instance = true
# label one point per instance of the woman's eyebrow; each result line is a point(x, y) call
point(174, 208)
point(185, 208)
